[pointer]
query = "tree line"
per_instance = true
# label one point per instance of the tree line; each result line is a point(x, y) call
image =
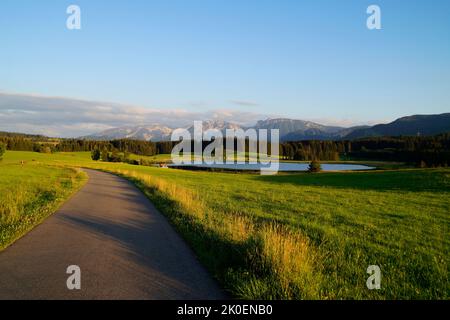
point(423, 150)
point(48, 145)
point(313, 150)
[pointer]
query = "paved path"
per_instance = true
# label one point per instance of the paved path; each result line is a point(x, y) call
point(125, 248)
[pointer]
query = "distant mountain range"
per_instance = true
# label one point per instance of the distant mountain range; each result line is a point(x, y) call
point(425, 125)
point(294, 130)
point(154, 132)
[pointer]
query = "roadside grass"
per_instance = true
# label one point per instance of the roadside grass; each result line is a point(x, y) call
point(29, 194)
point(307, 236)
point(252, 260)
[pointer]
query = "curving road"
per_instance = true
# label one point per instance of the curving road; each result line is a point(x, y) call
point(124, 247)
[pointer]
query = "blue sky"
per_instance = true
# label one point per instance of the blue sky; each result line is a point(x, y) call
point(300, 59)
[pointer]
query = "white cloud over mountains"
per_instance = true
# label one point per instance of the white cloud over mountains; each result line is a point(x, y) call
point(66, 117)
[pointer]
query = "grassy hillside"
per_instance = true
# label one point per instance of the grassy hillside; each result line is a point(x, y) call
point(308, 236)
point(29, 193)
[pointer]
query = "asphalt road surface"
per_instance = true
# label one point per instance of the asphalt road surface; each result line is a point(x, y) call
point(123, 246)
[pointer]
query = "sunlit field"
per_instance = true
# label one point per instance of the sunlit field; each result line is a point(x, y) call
point(292, 236)
point(29, 193)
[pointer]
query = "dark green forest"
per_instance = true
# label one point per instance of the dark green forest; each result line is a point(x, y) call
point(424, 151)
point(21, 142)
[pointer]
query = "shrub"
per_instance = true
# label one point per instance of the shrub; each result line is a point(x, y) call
point(145, 162)
point(132, 161)
point(422, 164)
point(46, 149)
point(314, 166)
point(115, 156)
point(105, 155)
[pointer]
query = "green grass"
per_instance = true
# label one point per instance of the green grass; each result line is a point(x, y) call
point(159, 158)
point(29, 193)
point(61, 157)
point(398, 220)
point(308, 236)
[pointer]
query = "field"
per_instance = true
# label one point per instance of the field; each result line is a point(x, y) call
point(298, 236)
point(29, 193)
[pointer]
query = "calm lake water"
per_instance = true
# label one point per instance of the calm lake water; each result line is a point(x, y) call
point(283, 166)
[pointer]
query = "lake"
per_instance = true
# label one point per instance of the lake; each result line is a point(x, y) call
point(283, 166)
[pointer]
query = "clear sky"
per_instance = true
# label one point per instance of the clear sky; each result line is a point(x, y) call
point(311, 59)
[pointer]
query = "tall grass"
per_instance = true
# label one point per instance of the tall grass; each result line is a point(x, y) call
point(252, 260)
point(29, 194)
point(13, 203)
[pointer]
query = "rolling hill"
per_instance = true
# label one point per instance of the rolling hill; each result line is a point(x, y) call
point(407, 126)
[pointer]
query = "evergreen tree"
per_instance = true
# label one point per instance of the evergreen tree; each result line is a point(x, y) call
point(95, 154)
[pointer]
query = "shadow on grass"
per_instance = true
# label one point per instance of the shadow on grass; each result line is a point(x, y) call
point(432, 180)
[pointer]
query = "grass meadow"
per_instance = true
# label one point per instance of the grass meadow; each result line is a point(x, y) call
point(29, 193)
point(298, 236)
